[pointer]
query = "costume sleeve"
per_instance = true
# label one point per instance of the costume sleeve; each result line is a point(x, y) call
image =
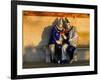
point(54, 34)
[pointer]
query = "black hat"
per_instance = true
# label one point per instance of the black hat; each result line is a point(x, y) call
point(55, 22)
point(66, 20)
point(60, 21)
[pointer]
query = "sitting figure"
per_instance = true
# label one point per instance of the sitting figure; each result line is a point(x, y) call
point(55, 42)
point(63, 42)
point(70, 42)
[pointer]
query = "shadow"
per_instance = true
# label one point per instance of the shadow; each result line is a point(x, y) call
point(45, 36)
point(33, 54)
point(47, 33)
point(39, 53)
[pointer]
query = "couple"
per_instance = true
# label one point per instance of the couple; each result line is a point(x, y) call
point(63, 41)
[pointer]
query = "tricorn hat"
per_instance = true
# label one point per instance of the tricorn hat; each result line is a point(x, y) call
point(67, 21)
point(60, 21)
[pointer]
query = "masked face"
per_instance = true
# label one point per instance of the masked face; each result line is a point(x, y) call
point(60, 26)
point(68, 25)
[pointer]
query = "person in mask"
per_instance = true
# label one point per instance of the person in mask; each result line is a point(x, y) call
point(70, 41)
point(55, 42)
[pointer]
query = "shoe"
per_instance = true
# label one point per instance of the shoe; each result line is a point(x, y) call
point(71, 61)
point(75, 58)
point(58, 61)
point(64, 62)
